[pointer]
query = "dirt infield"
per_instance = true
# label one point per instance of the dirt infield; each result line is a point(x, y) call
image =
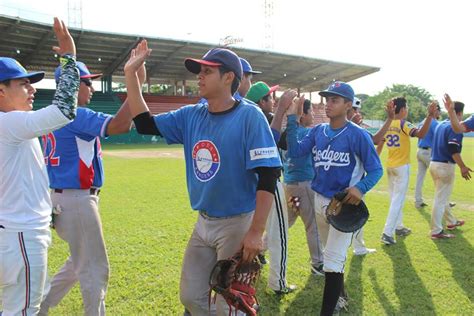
point(137, 154)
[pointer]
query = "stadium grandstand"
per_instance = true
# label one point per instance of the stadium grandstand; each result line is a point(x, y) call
point(30, 43)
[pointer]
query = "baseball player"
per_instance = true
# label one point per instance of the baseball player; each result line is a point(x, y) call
point(232, 164)
point(298, 173)
point(397, 140)
point(423, 156)
point(465, 126)
point(246, 81)
point(25, 205)
point(355, 116)
point(276, 231)
point(344, 159)
point(446, 153)
point(74, 161)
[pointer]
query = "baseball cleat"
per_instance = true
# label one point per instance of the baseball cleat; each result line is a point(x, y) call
point(290, 288)
point(364, 251)
point(388, 240)
point(441, 235)
point(453, 226)
point(405, 231)
point(422, 204)
point(317, 269)
point(452, 204)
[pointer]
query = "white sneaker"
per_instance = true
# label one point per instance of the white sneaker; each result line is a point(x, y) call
point(363, 252)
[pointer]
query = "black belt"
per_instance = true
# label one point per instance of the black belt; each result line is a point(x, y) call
point(425, 148)
point(92, 191)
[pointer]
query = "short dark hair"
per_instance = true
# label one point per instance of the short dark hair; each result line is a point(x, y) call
point(235, 82)
point(6, 82)
point(458, 107)
point(306, 106)
point(265, 98)
point(400, 103)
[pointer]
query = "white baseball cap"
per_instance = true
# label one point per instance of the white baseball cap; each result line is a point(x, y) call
point(357, 103)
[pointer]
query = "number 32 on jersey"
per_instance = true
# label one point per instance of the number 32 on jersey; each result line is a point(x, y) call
point(393, 140)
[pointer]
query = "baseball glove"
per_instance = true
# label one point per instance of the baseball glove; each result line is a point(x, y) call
point(236, 282)
point(344, 217)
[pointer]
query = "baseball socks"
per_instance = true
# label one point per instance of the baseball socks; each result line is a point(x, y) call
point(332, 289)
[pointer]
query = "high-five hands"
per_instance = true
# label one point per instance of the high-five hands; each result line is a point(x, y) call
point(65, 41)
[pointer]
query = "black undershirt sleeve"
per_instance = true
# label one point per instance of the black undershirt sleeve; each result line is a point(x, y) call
point(454, 149)
point(267, 178)
point(145, 124)
point(282, 142)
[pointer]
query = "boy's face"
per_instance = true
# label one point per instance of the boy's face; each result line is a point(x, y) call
point(18, 95)
point(85, 92)
point(336, 106)
point(211, 83)
point(267, 106)
point(245, 84)
point(307, 119)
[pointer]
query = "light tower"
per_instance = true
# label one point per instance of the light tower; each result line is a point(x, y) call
point(74, 13)
point(268, 9)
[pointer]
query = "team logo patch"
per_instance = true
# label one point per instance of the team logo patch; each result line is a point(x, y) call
point(206, 160)
point(262, 153)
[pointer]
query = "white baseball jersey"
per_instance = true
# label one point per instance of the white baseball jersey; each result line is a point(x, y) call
point(24, 198)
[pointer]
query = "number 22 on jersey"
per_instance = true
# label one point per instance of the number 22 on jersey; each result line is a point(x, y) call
point(50, 158)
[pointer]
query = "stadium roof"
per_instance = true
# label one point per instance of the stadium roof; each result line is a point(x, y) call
point(30, 43)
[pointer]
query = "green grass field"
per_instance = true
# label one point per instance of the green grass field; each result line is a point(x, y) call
point(147, 221)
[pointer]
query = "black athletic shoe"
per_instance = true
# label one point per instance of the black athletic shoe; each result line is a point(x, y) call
point(290, 288)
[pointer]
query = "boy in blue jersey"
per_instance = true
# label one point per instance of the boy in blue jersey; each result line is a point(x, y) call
point(344, 159)
point(298, 173)
point(232, 164)
point(446, 153)
point(74, 161)
point(423, 156)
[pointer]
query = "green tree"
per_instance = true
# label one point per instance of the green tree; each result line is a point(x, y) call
point(418, 99)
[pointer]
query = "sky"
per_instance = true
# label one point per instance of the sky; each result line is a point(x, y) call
point(424, 43)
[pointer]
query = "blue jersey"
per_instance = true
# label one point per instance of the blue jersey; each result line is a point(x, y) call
point(428, 139)
point(73, 154)
point(443, 137)
point(339, 161)
point(221, 150)
point(469, 124)
point(298, 169)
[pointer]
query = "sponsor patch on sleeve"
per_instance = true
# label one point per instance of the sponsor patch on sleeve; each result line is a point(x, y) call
point(263, 153)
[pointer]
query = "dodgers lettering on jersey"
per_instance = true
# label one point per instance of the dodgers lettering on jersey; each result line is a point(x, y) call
point(73, 153)
point(397, 140)
point(443, 137)
point(428, 139)
point(221, 150)
point(339, 161)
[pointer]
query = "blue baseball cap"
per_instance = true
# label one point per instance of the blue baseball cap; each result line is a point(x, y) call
point(84, 72)
point(214, 58)
point(339, 88)
point(247, 68)
point(11, 69)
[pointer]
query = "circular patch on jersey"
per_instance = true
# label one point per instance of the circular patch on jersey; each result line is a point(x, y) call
point(206, 160)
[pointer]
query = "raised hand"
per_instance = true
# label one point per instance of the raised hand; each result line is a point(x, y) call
point(448, 103)
point(137, 57)
point(296, 106)
point(432, 108)
point(286, 99)
point(390, 109)
point(141, 73)
point(65, 41)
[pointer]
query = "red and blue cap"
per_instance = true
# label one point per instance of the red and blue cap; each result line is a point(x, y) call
point(339, 88)
point(214, 58)
point(247, 68)
point(84, 72)
point(12, 69)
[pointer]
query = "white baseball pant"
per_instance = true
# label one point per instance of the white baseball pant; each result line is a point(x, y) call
point(80, 226)
point(397, 186)
point(23, 270)
point(423, 156)
point(335, 243)
point(213, 238)
point(276, 239)
point(443, 177)
point(306, 212)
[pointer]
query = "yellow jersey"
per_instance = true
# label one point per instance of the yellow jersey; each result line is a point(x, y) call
point(397, 140)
